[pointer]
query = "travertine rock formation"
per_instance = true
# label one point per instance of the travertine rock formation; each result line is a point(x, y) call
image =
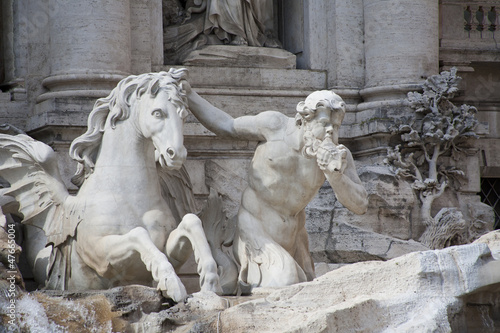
point(455, 289)
point(426, 291)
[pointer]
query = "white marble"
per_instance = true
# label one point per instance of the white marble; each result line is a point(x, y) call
point(454, 289)
point(57, 58)
point(292, 161)
point(118, 229)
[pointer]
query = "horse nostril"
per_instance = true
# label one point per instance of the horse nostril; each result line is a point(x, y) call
point(170, 152)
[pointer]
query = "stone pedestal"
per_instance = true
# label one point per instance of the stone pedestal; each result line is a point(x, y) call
point(240, 56)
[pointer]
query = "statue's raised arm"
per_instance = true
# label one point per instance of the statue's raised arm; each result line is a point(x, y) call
point(261, 127)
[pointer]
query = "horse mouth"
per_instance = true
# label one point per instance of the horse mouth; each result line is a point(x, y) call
point(169, 163)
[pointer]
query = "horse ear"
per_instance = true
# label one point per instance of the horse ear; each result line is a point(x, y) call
point(155, 87)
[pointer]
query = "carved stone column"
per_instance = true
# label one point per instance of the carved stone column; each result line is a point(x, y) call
point(90, 51)
point(401, 46)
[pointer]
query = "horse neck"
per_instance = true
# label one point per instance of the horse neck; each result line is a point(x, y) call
point(125, 154)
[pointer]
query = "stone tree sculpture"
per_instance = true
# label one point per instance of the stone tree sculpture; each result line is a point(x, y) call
point(438, 129)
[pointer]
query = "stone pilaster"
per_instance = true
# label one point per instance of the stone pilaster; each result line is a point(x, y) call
point(83, 67)
point(401, 46)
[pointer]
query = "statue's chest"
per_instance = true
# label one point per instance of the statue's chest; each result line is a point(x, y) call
point(278, 162)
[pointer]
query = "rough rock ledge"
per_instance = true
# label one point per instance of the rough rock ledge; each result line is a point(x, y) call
point(455, 289)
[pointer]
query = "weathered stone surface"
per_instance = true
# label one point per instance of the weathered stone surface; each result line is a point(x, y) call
point(128, 300)
point(186, 317)
point(391, 202)
point(482, 219)
point(419, 292)
point(240, 56)
point(321, 268)
point(492, 239)
point(338, 236)
point(454, 289)
point(390, 205)
point(113, 310)
point(345, 243)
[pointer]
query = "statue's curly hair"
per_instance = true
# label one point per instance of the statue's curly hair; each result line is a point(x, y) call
point(306, 110)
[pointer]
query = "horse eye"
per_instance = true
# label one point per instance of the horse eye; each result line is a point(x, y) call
point(157, 114)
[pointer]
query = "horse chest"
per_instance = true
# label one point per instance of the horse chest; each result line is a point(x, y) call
point(126, 213)
point(158, 220)
point(158, 223)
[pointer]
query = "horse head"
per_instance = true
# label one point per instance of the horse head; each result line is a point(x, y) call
point(159, 106)
point(163, 109)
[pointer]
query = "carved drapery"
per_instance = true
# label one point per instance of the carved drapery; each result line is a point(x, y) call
point(188, 25)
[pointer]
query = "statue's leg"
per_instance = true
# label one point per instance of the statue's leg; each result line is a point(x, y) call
point(264, 263)
point(36, 252)
point(189, 236)
point(117, 250)
point(303, 256)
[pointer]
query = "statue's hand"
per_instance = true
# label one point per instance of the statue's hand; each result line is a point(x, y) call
point(332, 158)
point(186, 87)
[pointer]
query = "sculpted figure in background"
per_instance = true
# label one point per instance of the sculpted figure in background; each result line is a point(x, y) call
point(118, 229)
point(189, 25)
point(291, 163)
point(240, 22)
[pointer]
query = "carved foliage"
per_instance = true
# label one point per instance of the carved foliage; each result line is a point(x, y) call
point(438, 128)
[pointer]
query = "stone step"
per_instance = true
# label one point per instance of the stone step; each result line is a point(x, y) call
point(241, 56)
point(259, 79)
point(4, 97)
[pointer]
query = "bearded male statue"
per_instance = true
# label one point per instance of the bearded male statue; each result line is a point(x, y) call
point(290, 164)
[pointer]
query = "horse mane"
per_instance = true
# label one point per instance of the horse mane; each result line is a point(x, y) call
point(116, 107)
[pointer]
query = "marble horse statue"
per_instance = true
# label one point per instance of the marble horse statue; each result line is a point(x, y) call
point(118, 229)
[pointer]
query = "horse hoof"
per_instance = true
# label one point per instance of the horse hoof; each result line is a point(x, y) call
point(173, 288)
point(177, 296)
point(211, 283)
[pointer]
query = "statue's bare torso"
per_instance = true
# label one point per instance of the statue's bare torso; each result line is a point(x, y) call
point(271, 197)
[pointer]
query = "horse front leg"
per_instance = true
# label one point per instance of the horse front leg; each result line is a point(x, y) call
point(186, 238)
point(116, 250)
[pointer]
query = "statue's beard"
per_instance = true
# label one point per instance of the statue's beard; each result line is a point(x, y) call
point(312, 143)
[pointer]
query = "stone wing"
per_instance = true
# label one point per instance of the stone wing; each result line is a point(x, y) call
point(30, 167)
